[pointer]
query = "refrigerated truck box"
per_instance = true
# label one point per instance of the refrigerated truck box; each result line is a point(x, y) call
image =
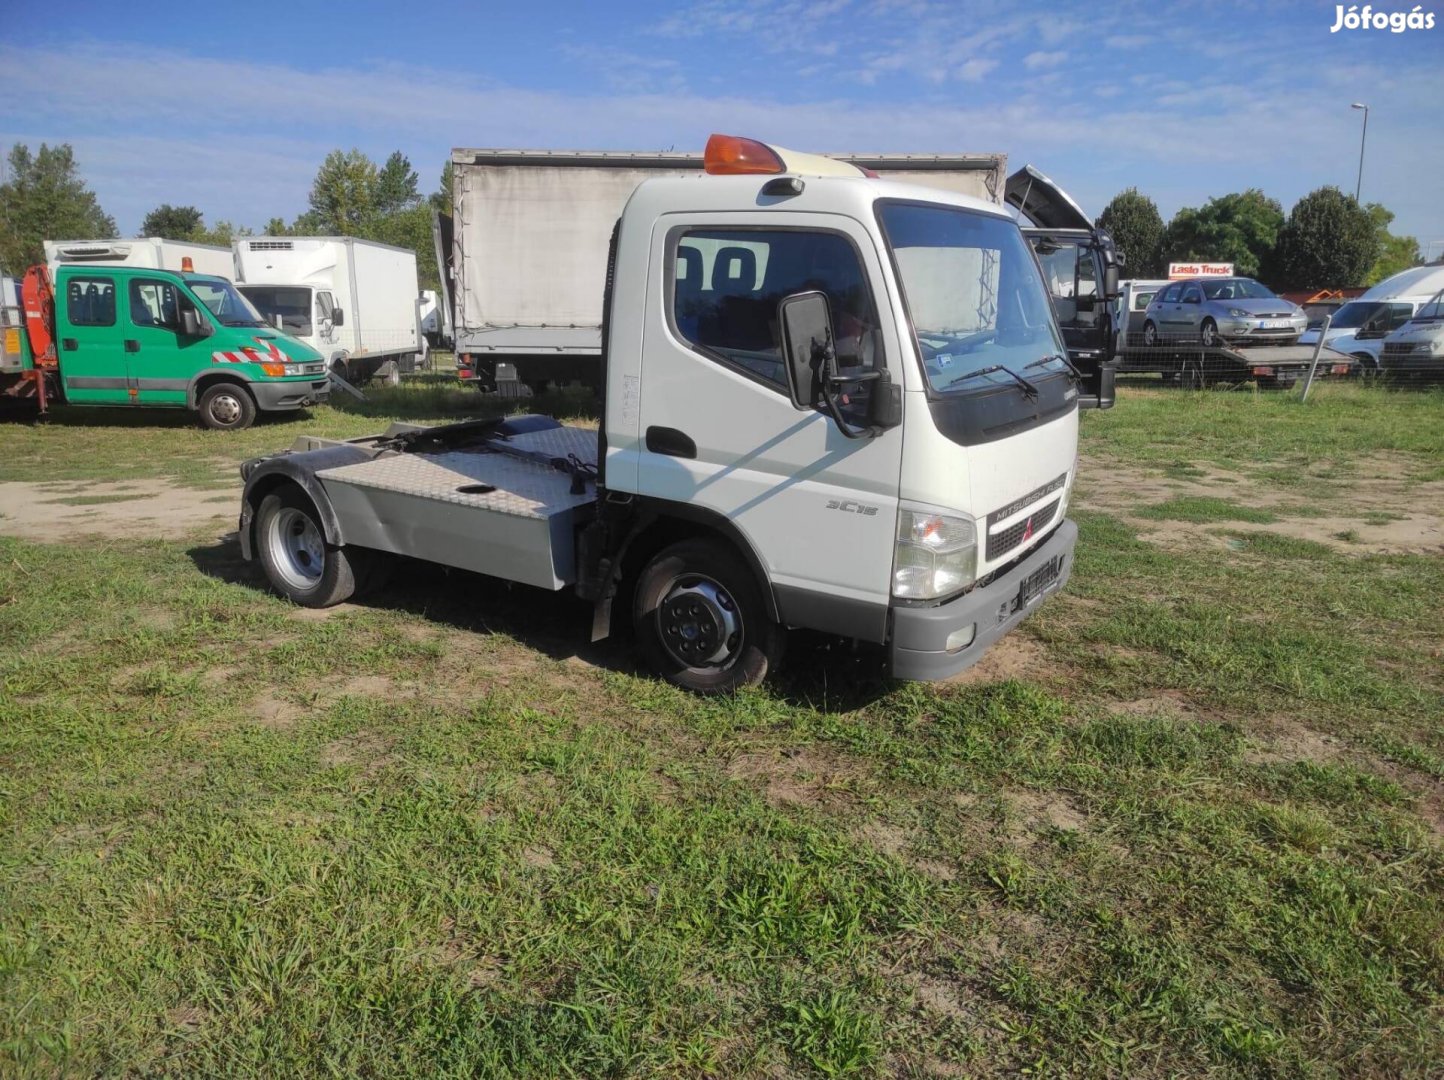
point(354, 301)
point(148, 252)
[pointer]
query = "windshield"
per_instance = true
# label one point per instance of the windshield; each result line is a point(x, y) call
point(286, 308)
point(228, 306)
point(1434, 309)
point(978, 306)
point(1239, 288)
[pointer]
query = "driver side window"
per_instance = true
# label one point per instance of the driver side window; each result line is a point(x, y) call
point(727, 283)
point(1192, 295)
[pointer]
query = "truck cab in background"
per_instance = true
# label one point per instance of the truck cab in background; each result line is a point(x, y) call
point(354, 301)
point(1081, 269)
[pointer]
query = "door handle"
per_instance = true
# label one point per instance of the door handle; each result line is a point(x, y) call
point(132, 345)
point(69, 344)
point(671, 442)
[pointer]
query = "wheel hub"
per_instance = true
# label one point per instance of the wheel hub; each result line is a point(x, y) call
point(699, 622)
point(300, 548)
point(226, 409)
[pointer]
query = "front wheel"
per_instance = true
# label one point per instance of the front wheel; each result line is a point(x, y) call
point(1208, 334)
point(1150, 334)
point(227, 407)
point(298, 562)
point(700, 619)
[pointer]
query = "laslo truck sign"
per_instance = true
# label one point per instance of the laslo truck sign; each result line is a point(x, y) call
point(1199, 269)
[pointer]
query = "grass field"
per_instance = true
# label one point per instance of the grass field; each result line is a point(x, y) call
point(1189, 820)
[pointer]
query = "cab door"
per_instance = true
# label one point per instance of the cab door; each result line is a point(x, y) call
point(160, 358)
point(88, 341)
point(718, 431)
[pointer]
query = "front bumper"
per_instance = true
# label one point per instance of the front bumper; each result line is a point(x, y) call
point(1251, 330)
point(285, 394)
point(918, 647)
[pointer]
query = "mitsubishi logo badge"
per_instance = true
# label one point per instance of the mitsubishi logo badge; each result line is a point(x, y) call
point(1028, 532)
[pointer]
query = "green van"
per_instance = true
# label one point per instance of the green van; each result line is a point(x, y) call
point(159, 339)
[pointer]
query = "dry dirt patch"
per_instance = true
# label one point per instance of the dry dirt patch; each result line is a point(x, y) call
point(148, 509)
point(1120, 489)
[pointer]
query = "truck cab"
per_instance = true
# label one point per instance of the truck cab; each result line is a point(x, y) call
point(157, 338)
point(1081, 268)
point(832, 402)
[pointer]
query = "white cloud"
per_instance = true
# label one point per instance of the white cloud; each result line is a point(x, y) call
point(975, 71)
point(1040, 59)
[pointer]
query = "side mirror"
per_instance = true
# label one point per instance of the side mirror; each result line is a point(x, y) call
point(1110, 283)
point(807, 349)
point(192, 325)
point(338, 317)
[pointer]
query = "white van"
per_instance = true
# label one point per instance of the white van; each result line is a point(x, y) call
point(1416, 350)
point(1360, 326)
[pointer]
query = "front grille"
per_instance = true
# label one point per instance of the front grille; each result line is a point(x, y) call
point(1403, 348)
point(999, 544)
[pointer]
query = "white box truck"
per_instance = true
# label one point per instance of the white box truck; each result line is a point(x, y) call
point(831, 401)
point(354, 301)
point(524, 253)
point(150, 252)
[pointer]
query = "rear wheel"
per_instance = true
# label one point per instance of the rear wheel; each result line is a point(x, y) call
point(701, 622)
point(227, 406)
point(299, 563)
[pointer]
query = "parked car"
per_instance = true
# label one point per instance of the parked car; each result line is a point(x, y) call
point(1415, 351)
point(1213, 311)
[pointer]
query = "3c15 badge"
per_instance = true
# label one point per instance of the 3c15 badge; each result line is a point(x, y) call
point(847, 506)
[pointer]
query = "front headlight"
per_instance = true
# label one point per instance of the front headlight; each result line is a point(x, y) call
point(1238, 313)
point(1436, 347)
point(935, 555)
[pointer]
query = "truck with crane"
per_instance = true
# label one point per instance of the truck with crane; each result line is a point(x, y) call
point(830, 401)
point(108, 334)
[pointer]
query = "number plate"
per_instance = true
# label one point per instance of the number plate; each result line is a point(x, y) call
point(1273, 324)
point(1039, 582)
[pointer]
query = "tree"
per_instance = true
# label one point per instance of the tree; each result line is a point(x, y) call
point(1395, 252)
point(276, 227)
point(410, 228)
point(221, 236)
point(1137, 230)
point(45, 199)
point(1329, 242)
point(171, 222)
point(343, 196)
point(1241, 228)
point(396, 185)
point(441, 200)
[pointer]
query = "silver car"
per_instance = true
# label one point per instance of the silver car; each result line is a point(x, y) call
point(1213, 311)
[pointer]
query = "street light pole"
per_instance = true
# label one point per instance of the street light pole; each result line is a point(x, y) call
point(1359, 184)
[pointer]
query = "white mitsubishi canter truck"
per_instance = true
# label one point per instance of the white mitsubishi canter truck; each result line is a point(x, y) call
point(831, 401)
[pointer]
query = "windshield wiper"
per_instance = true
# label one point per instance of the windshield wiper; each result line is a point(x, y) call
point(1076, 375)
point(1029, 390)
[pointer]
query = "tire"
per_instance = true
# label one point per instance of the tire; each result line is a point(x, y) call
point(1191, 375)
point(1208, 334)
point(1150, 334)
point(700, 620)
point(1368, 365)
point(227, 406)
point(299, 563)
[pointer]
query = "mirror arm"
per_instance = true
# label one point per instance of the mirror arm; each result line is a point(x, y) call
point(829, 397)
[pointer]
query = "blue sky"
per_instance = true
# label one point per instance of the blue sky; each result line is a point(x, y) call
point(231, 107)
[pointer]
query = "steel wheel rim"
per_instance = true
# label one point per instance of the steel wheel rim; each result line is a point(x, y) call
point(226, 408)
point(298, 547)
point(700, 623)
